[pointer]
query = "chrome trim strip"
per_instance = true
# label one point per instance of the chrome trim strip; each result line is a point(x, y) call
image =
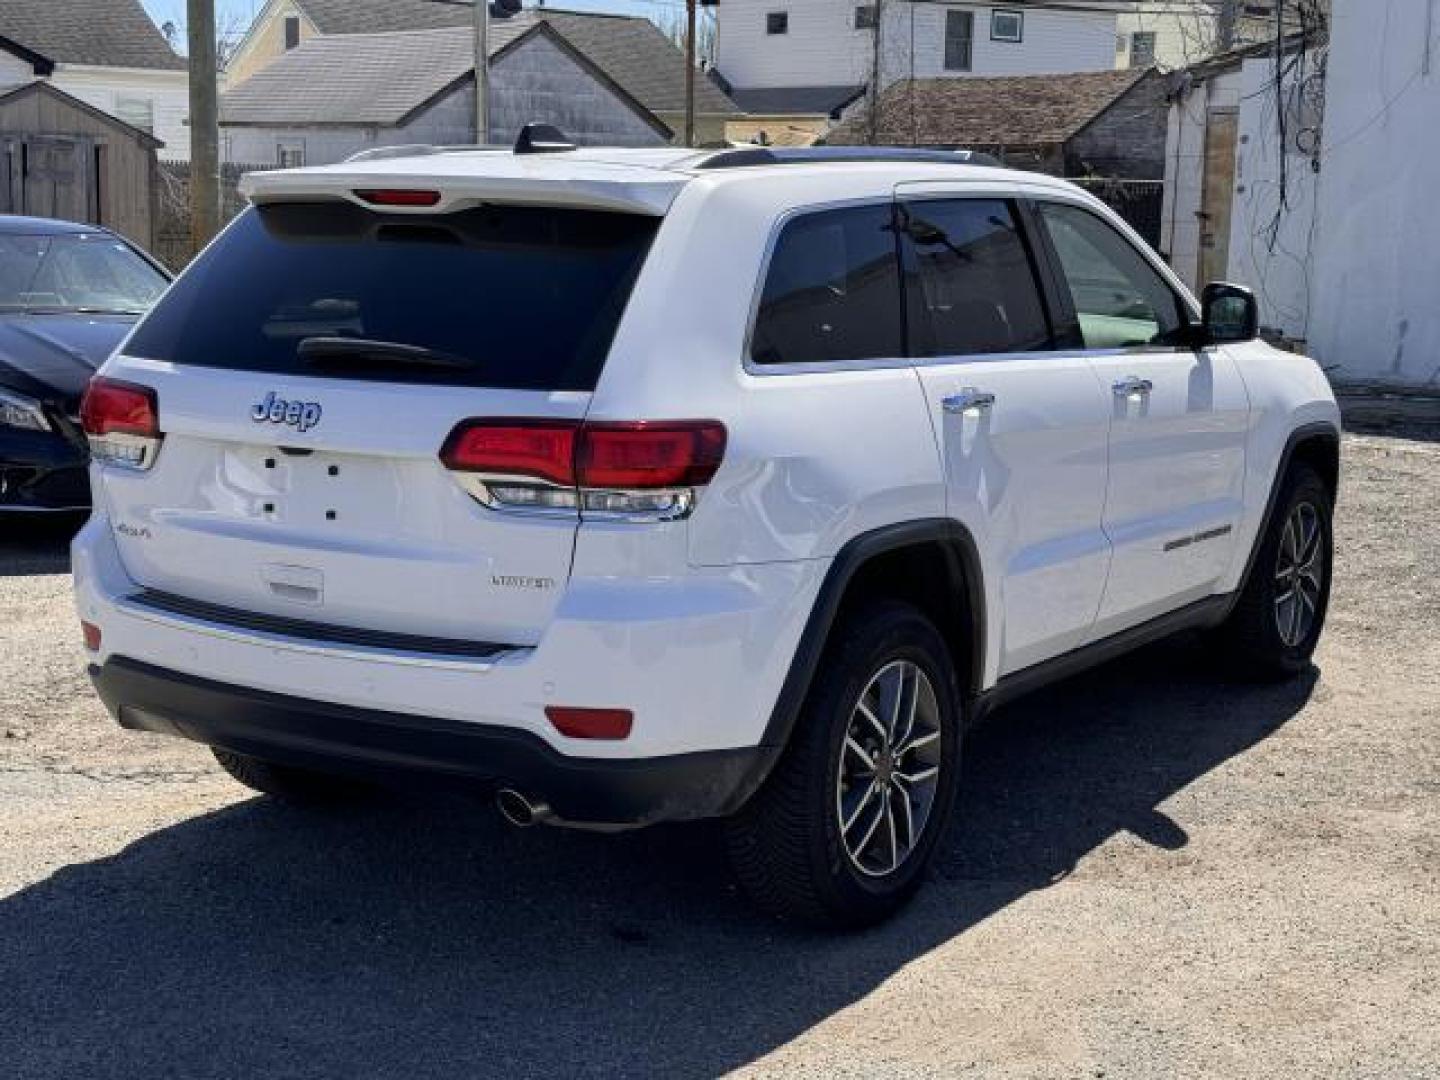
point(127, 606)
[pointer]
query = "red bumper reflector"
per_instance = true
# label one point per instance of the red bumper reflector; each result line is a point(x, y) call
point(92, 635)
point(591, 723)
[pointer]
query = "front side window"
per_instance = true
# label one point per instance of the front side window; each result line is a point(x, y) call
point(1120, 299)
point(832, 290)
point(971, 284)
point(777, 22)
point(959, 40)
point(1007, 26)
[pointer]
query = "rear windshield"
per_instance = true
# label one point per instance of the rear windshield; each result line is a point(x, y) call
point(521, 298)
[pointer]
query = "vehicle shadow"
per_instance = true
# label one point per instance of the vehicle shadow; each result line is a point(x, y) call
point(36, 544)
point(421, 937)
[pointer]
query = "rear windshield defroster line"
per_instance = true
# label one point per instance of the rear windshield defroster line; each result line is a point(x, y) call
point(527, 297)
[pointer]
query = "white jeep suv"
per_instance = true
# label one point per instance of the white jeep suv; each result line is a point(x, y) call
point(658, 485)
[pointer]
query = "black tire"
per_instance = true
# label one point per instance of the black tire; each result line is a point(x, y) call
point(786, 844)
point(299, 786)
point(1252, 642)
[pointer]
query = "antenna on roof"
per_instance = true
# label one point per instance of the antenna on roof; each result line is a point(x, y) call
point(542, 139)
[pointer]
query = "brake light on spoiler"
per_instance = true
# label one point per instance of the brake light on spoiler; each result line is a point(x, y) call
point(122, 423)
point(642, 470)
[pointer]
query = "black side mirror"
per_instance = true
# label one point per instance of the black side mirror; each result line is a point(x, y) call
point(1229, 313)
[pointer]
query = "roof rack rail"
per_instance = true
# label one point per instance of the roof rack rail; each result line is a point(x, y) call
point(381, 153)
point(744, 157)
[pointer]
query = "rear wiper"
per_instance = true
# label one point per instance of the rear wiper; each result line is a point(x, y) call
point(348, 350)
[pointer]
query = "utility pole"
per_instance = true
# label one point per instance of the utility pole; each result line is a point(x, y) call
point(204, 124)
point(689, 72)
point(873, 122)
point(482, 71)
point(1225, 30)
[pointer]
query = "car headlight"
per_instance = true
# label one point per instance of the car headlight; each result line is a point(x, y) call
point(19, 411)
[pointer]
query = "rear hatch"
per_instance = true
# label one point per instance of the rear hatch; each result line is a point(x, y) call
point(308, 369)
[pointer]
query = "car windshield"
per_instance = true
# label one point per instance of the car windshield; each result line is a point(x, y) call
point(75, 272)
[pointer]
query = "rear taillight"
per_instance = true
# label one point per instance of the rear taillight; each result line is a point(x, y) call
point(122, 421)
point(398, 197)
point(644, 469)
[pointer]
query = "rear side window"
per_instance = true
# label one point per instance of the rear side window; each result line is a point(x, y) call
point(832, 290)
point(971, 282)
point(507, 297)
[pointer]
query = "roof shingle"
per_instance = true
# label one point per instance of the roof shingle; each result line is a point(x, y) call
point(1014, 111)
point(105, 33)
point(630, 49)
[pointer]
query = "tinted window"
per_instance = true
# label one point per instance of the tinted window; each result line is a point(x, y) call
point(832, 291)
point(972, 287)
point(526, 297)
point(1120, 299)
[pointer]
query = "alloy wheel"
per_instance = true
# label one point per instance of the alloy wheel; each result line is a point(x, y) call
point(889, 770)
point(1299, 570)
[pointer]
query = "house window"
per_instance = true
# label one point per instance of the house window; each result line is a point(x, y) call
point(292, 31)
point(777, 22)
point(1007, 26)
point(865, 17)
point(290, 155)
point(137, 112)
point(1142, 48)
point(959, 40)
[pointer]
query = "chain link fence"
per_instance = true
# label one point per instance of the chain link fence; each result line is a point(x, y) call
point(173, 245)
point(1140, 202)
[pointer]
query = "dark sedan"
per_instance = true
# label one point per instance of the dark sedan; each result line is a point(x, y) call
point(68, 296)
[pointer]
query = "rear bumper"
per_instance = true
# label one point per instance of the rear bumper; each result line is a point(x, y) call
point(289, 730)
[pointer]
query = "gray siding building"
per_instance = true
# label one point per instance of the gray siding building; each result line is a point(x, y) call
point(334, 96)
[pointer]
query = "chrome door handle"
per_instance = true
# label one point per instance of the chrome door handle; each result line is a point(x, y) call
point(1133, 386)
point(968, 400)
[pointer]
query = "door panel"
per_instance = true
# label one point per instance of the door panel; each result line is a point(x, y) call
point(1027, 476)
point(1178, 422)
point(1177, 466)
point(1022, 431)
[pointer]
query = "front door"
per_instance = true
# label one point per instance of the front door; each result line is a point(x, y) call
point(1022, 428)
point(1179, 418)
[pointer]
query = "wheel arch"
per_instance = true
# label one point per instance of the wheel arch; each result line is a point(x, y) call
point(1315, 444)
point(899, 562)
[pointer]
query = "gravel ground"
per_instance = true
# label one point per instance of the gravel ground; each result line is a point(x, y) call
point(1158, 875)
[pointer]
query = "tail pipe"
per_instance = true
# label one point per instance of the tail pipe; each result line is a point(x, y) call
point(520, 810)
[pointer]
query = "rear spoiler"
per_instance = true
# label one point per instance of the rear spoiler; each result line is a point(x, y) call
point(472, 179)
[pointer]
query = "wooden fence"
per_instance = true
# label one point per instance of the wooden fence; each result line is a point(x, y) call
point(173, 246)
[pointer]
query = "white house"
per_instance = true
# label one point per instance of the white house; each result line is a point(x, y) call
point(1176, 33)
point(808, 44)
point(108, 54)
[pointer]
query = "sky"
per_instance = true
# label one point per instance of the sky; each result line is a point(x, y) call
point(234, 16)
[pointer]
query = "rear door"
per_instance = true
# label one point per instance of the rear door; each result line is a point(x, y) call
point(1179, 421)
point(304, 480)
point(1022, 424)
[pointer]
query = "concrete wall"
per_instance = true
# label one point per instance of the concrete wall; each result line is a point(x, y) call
point(1270, 247)
point(265, 40)
point(823, 48)
point(536, 81)
point(1377, 272)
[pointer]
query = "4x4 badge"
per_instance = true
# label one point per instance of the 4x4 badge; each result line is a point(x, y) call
point(301, 415)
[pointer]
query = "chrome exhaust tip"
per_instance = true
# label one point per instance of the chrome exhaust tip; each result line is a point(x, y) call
point(519, 810)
